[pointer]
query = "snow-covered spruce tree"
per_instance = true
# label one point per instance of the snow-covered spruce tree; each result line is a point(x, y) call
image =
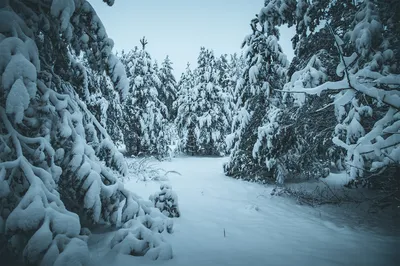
point(168, 87)
point(256, 123)
point(300, 138)
point(224, 80)
point(307, 121)
point(367, 97)
point(203, 115)
point(185, 120)
point(145, 116)
point(236, 68)
point(58, 166)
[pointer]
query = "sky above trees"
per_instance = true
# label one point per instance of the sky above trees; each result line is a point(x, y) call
point(180, 27)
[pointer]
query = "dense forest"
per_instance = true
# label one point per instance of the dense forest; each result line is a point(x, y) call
point(68, 103)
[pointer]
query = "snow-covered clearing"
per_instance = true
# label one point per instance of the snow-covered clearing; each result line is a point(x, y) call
point(230, 222)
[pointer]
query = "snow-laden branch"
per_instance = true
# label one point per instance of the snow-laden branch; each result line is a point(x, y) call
point(391, 98)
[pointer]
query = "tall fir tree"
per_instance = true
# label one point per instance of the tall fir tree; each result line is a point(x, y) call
point(365, 101)
point(224, 80)
point(203, 112)
point(145, 115)
point(256, 123)
point(168, 87)
point(185, 121)
point(236, 68)
point(307, 121)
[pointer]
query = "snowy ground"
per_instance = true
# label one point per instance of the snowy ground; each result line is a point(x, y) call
point(259, 229)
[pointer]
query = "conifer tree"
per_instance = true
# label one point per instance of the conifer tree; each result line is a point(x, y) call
point(203, 111)
point(145, 115)
point(185, 121)
point(364, 89)
point(59, 168)
point(366, 92)
point(210, 107)
point(256, 123)
point(224, 73)
point(168, 87)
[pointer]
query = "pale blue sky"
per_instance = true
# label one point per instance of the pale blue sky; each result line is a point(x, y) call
point(179, 28)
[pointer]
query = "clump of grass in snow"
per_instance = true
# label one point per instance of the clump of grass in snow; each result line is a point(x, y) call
point(144, 169)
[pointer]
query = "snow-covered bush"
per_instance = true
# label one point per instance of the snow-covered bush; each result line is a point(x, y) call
point(58, 166)
point(166, 201)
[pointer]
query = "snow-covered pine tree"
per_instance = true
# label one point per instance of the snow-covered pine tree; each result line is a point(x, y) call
point(367, 97)
point(58, 166)
point(185, 120)
point(168, 88)
point(203, 116)
point(236, 68)
point(224, 80)
point(256, 124)
point(302, 149)
point(307, 121)
point(145, 116)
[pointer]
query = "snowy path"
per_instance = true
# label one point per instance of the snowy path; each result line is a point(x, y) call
point(260, 229)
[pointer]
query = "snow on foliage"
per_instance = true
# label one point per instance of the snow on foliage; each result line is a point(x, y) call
point(145, 115)
point(166, 201)
point(364, 99)
point(168, 87)
point(309, 77)
point(203, 116)
point(58, 166)
point(369, 88)
point(253, 127)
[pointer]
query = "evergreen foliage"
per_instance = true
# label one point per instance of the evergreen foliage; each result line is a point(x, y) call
point(203, 112)
point(256, 123)
point(168, 88)
point(324, 119)
point(59, 168)
point(145, 115)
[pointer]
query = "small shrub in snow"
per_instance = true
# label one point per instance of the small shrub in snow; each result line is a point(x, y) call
point(166, 201)
point(143, 169)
